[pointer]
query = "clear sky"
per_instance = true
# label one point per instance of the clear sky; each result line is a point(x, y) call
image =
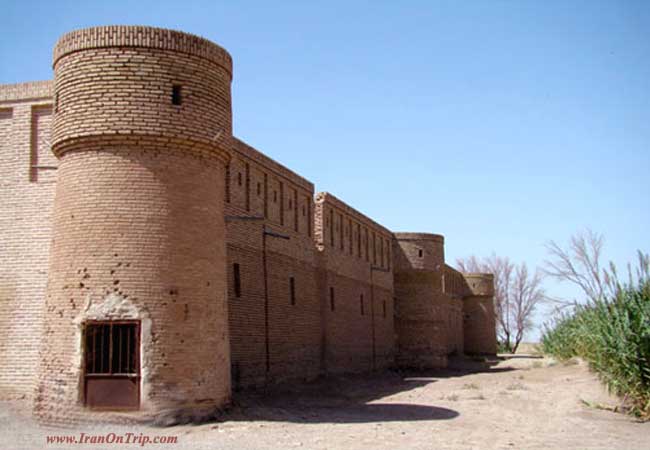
point(500, 124)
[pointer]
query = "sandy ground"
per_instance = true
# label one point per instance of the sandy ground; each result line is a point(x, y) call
point(523, 402)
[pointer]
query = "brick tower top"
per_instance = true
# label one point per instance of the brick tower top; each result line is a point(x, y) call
point(419, 251)
point(481, 284)
point(146, 85)
point(139, 36)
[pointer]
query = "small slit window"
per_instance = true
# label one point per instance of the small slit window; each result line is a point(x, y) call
point(420, 253)
point(332, 304)
point(177, 95)
point(292, 290)
point(237, 280)
point(361, 304)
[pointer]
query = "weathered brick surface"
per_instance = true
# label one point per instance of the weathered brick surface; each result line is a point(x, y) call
point(423, 310)
point(478, 311)
point(156, 204)
point(356, 270)
point(272, 339)
point(138, 222)
point(26, 196)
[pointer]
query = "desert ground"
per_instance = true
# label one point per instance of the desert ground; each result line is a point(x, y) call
point(518, 402)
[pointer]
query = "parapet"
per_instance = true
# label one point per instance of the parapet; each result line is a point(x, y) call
point(480, 284)
point(407, 236)
point(26, 91)
point(141, 36)
point(278, 169)
point(419, 251)
point(326, 197)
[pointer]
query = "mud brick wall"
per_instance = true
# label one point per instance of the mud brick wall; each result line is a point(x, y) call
point(423, 310)
point(26, 196)
point(237, 272)
point(138, 223)
point(456, 290)
point(479, 326)
point(275, 333)
point(356, 287)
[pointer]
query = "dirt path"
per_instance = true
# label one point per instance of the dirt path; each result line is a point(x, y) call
point(519, 403)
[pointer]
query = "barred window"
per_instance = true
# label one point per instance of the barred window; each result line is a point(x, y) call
point(111, 347)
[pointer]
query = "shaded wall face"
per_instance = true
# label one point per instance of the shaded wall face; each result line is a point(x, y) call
point(455, 341)
point(26, 196)
point(414, 254)
point(421, 320)
point(138, 234)
point(479, 321)
point(479, 325)
point(423, 316)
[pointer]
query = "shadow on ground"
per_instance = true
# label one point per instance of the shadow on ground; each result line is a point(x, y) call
point(353, 398)
point(507, 356)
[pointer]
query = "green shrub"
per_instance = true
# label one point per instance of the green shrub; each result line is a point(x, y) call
point(613, 336)
point(503, 347)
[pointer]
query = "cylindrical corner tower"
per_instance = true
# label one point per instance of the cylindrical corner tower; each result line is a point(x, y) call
point(420, 303)
point(479, 324)
point(135, 315)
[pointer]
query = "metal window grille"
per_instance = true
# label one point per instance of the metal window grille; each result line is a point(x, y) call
point(111, 348)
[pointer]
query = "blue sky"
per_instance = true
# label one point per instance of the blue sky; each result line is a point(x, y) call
point(500, 124)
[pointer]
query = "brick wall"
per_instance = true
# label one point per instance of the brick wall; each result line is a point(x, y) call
point(356, 287)
point(274, 336)
point(423, 319)
point(479, 326)
point(26, 196)
point(138, 221)
point(142, 190)
point(456, 289)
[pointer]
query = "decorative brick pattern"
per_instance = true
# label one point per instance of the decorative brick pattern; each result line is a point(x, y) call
point(156, 204)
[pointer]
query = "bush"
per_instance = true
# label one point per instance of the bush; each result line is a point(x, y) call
point(613, 336)
point(503, 347)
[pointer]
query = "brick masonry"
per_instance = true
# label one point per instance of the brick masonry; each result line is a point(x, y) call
point(117, 203)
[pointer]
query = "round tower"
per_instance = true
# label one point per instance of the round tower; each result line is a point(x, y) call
point(136, 313)
point(421, 306)
point(479, 321)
